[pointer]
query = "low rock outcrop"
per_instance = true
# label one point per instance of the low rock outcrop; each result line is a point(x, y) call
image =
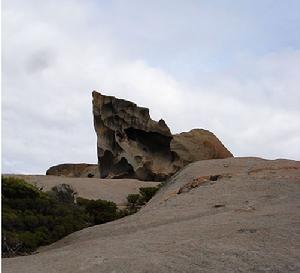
point(198, 144)
point(131, 144)
point(74, 170)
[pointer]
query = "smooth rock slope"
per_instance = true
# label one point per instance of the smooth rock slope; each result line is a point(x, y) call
point(227, 215)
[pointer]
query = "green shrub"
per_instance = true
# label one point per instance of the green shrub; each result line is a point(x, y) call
point(10, 219)
point(148, 192)
point(31, 221)
point(133, 199)
point(123, 213)
point(102, 211)
point(82, 201)
point(31, 218)
point(15, 188)
point(30, 240)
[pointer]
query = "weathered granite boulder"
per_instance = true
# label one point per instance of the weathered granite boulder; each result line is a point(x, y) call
point(131, 144)
point(74, 170)
point(198, 144)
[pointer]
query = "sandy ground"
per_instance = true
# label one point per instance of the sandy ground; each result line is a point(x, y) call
point(115, 190)
point(247, 220)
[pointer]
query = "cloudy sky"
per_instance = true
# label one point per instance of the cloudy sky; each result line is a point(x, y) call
point(232, 67)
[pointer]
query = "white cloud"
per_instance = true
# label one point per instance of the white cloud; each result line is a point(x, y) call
point(54, 57)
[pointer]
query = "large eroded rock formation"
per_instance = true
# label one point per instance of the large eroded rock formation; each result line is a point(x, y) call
point(131, 144)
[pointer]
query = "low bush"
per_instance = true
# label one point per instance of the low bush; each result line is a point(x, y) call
point(147, 193)
point(101, 211)
point(31, 218)
point(136, 201)
point(133, 199)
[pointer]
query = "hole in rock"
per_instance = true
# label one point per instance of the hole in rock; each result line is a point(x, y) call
point(215, 177)
point(105, 162)
point(122, 169)
point(151, 141)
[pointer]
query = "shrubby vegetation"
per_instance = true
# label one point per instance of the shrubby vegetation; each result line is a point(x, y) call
point(99, 211)
point(32, 218)
point(136, 201)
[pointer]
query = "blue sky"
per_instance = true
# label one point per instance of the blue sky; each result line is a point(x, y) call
point(228, 66)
